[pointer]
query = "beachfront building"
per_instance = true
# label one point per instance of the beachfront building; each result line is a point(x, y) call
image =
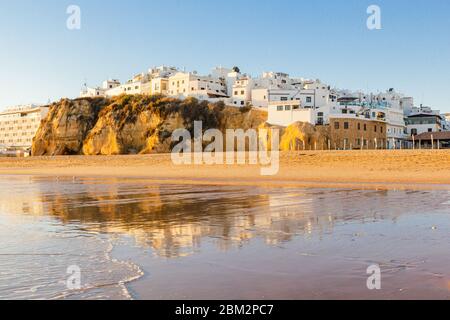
point(18, 126)
point(356, 131)
point(387, 106)
point(395, 105)
point(431, 140)
point(423, 119)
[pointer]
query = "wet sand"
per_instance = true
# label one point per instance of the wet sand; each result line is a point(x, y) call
point(140, 240)
point(425, 169)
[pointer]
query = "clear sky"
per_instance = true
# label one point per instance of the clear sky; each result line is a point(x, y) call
point(40, 59)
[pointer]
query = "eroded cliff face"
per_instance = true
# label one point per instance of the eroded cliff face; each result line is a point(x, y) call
point(131, 124)
point(66, 125)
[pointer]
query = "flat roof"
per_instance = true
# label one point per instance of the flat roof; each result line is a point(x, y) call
point(31, 110)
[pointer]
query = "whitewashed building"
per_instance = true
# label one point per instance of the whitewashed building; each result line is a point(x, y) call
point(190, 84)
point(285, 113)
point(107, 85)
point(423, 119)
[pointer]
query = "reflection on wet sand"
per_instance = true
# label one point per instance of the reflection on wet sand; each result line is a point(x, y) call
point(173, 220)
point(251, 242)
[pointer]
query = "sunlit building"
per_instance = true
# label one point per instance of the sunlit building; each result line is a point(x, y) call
point(18, 125)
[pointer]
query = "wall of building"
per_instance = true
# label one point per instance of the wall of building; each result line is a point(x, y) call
point(286, 113)
point(354, 133)
point(19, 126)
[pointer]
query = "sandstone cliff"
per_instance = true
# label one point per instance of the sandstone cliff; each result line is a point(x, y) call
point(131, 124)
point(66, 126)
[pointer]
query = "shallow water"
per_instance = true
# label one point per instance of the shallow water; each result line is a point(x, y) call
point(135, 239)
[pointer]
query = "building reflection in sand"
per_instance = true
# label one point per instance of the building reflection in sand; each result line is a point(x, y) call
point(174, 220)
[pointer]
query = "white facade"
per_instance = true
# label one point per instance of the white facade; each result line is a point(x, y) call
point(186, 84)
point(100, 91)
point(262, 97)
point(242, 91)
point(285, 113)
point(19, 125)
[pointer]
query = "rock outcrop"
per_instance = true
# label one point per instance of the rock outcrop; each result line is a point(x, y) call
point(131, 124)
point(66, 125)
point(304, 136)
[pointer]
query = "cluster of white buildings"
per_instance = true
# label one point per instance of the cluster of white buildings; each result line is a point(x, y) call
point(287, 100)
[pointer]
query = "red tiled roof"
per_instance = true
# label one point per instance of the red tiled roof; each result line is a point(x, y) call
point(444, 135)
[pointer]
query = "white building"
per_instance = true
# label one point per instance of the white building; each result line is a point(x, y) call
point(99, 91)
point(230, 76)
point(316, 101)
point(395, 104)
point(190, 84)
point(424, 119)
point(262, 97)
point(242, 91)
point(285, 113)
point(446, 122)
point(18, 125)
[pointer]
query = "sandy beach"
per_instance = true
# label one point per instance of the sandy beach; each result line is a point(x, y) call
point(365, 169)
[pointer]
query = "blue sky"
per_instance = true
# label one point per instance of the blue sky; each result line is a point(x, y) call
point(40, 59)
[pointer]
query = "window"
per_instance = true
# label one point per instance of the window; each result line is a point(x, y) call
point(336, 125)
point(284, 99)
point(346, 125)
point(375, 128)
point(365, 127)
point(359, 126)
point(381, 129)
point(242, 103)
point(235, 93)
point(430, 130)
point(242, 92)
point(287, 108)
point(280, 108)
point(308, 99)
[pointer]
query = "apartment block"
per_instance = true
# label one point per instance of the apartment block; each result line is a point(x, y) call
point(19, 125)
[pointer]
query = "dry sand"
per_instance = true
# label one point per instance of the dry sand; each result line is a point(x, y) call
point(400, 169)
